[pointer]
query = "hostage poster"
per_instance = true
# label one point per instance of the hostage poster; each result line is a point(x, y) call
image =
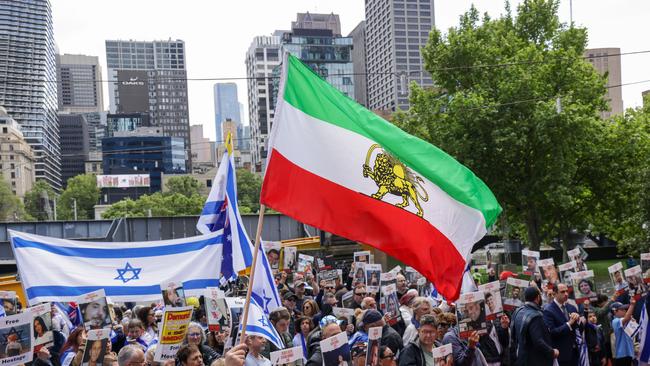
point(174, 326)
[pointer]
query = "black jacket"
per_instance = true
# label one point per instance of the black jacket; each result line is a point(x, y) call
point(530, 338)
point(391, 339)
point(412, 355)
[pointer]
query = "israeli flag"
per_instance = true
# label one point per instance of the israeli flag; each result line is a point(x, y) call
point(264, 291)
point(53, 269)
point(258, 324)
point(468, 284)
point(222, 213)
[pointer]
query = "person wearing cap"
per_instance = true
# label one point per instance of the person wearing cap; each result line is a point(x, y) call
point(624, 346)
point(419, 351)
point(372, 318)
point(289, 300)
point(531, 339)
point(563, 320)
point(299, 287)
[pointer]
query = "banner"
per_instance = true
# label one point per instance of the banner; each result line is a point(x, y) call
point(287, 356)
point(618, 280)
point(174, 327)
point(8, 299)
point(374, 341)
point(493, 304)
point(529, 259)
point(583, 286)
point(96, 344)
point(215, 308)
point(42, 315)
point(336, 350)
point(94, 310)
point(471, 314)
point(16, 334)
point(129, 271)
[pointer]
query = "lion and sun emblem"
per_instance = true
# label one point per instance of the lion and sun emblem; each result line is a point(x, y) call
point(392, 176)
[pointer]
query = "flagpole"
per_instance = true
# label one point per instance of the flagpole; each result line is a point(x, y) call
point(258, 237)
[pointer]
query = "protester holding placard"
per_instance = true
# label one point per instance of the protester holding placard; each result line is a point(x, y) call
point(624, 347)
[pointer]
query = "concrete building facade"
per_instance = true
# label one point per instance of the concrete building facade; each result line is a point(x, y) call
point(358, 36)
point(16, 156)
point(151, 77)
point(262, 59)
point(395, 32)
point(79, 84)
point(608, 60)
point(204, 151)
point(27, 69)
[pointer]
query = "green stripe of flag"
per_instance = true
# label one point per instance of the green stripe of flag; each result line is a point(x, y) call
point(307, 92)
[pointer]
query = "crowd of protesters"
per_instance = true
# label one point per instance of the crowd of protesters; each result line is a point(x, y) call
point(546, 329)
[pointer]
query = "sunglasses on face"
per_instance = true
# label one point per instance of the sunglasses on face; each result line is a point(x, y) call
point(360, 293)
point(329, 287)
point(390, 356)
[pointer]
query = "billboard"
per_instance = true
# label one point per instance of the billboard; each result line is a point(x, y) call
point(133, 90)
point(123, 181)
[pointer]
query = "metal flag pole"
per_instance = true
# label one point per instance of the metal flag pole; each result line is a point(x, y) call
point(258, 236)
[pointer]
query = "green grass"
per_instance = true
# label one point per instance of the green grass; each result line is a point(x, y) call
point(600, 268)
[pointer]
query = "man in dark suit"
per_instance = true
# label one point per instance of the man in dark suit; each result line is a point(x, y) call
point(531, 341)
point(563, 320)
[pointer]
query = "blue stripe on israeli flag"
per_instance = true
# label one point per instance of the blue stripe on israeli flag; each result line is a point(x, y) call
point(53, 269)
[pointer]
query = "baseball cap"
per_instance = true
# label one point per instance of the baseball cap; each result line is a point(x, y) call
point(506, 274)
point(370, 316)
point(290, 295)
point(298, 283)
point(618, 306)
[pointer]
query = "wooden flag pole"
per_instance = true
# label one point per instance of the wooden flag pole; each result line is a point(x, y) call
point(258, 240)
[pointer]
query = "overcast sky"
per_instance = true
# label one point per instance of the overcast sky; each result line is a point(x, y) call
point(217, 33)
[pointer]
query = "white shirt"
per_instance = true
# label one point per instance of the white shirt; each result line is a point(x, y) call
point(255, 361)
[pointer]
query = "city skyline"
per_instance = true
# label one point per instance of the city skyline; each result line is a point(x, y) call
point(212, 56)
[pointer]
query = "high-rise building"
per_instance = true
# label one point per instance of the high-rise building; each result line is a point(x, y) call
point(226, 106)
point(74, 137)
point(358, 36)
point(204, 151)
point(315, 39)
point(151, 77)
point(27, 71)
point(262, 58)
point(79, 84)
point(16, 157)
point(608, 60)
point(395, 32)
point(322, 49)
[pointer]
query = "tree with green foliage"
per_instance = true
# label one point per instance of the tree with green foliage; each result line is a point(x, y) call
point(82, 189)
point(621, 164)
point(156, 204)
point(185, 185)
point(36, 201)
point(496, 110)
point(249, 186)
point(11, 208)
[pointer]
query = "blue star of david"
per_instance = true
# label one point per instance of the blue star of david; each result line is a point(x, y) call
point(262, 321)
point(267, 300)
point(13, 330)
point(128, 268)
